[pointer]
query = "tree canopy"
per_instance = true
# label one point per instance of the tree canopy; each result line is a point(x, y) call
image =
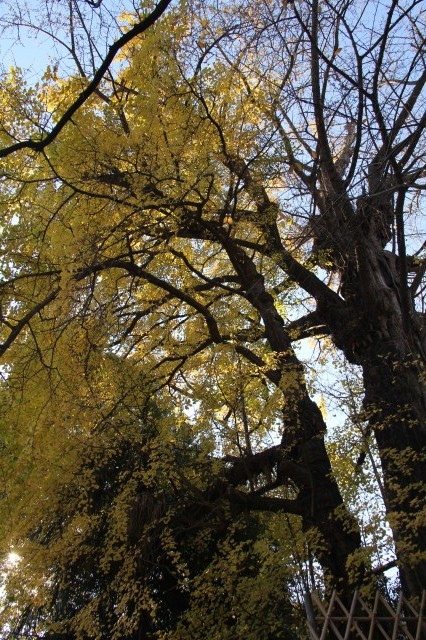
point(203, 221)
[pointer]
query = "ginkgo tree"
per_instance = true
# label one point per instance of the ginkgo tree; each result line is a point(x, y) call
point(119, 530)
point(242, 178)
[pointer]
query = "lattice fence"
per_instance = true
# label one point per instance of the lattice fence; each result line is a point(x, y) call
point(366, 621)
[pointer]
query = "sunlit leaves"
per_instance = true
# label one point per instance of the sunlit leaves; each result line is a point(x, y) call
point(159, 261)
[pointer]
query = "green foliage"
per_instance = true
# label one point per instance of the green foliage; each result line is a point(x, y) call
point(114, 533)
point(244, 591)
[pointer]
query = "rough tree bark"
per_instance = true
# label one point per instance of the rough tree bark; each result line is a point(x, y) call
point(379, 330)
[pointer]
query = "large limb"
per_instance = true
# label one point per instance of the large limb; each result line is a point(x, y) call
point(303, 433)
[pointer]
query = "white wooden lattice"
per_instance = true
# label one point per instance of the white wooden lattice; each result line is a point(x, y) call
point(365, 622)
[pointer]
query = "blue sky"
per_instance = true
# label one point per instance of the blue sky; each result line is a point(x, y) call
point(33, 50)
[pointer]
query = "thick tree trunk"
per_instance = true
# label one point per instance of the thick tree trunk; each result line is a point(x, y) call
point(337, 538)
point(395, 402)
point(397, 411)
point(335, 532)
